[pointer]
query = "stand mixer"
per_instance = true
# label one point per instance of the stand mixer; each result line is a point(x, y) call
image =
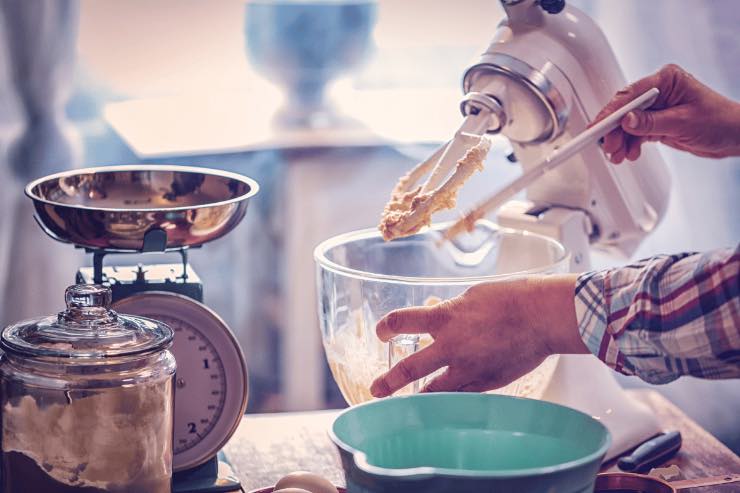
point(544, 77)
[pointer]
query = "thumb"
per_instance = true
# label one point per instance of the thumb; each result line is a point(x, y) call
point(652, 123)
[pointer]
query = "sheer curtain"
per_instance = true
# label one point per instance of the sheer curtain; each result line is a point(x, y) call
point(37, 54)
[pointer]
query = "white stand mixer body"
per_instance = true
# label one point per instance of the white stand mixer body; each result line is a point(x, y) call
point(552, 74)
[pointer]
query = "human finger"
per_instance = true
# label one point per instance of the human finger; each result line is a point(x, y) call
point(413, 320)
point(617, 157)
point(474, 386)
point(633, 149)
point(446, 382)
point(613, 141)
point(408, 370)
point(667, 122)
point(629, 93)
point(669, 80)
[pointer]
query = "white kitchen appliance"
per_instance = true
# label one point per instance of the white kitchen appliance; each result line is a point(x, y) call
point(545, 75)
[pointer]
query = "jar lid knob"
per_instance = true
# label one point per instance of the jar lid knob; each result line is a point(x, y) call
point(87, 329)
point(87, 296)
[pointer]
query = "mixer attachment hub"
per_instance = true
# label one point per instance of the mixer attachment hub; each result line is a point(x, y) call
point(476, 102)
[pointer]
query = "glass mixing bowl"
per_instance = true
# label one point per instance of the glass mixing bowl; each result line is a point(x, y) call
point(361, 278)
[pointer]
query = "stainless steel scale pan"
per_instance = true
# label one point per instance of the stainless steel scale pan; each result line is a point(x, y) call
point(140, 208)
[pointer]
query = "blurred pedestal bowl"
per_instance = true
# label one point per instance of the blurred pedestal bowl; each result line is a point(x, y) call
point(302, 45)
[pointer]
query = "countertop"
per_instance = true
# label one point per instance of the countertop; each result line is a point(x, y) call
point(267, 446)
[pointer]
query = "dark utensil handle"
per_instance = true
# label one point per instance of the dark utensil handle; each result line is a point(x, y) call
point(652, 452)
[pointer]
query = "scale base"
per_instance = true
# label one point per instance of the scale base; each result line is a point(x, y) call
point(214, 476)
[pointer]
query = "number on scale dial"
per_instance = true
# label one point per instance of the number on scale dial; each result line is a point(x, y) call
point(211, 378)
point(207, 379)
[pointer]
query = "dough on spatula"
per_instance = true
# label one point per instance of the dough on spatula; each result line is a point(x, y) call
point(407, 212)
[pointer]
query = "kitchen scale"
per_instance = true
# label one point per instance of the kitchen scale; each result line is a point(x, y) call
point(154, 209)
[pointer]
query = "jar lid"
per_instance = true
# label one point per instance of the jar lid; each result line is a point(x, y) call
point(88, 328)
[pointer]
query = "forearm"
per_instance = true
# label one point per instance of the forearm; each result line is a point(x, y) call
point(552, 310)
point(665, 317)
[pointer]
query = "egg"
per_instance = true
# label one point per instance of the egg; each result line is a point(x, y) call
point(298, 481)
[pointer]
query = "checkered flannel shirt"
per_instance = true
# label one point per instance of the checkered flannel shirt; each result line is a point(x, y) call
point(665, 316)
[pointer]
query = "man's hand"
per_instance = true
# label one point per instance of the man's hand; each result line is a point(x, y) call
point(687, 115)
point(487, 337)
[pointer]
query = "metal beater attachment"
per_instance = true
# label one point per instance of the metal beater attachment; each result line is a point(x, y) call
point(411, 205)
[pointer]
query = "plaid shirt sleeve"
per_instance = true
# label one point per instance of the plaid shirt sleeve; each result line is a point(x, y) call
point(665, 316)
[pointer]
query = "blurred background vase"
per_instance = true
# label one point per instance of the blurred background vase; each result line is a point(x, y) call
point(41, 38)
point(302, 46)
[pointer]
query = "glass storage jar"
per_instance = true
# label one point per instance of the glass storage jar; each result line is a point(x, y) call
point(87, 400)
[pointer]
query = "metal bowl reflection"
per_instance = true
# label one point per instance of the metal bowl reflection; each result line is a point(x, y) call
point(140, 207)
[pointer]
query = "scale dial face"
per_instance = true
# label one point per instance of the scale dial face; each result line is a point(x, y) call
point(211, 379)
